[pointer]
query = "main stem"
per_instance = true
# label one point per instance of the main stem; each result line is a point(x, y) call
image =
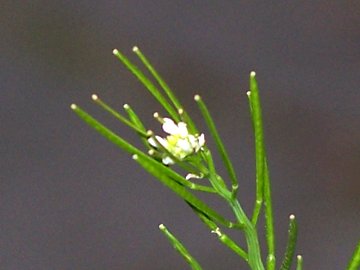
point(251, 236)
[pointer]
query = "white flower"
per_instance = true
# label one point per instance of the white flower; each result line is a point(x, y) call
point(195, 176)
point(179, 142)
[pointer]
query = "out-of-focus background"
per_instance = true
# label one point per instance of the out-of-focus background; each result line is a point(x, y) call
point(69, 199)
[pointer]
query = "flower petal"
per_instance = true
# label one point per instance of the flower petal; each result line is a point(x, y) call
point(191, 175)
point(201, 140)
point(168, 160)
point(182, 130)
point(152, 142)
point(179, 143)
point(164, 143)
point(170, 127)
point(184, 146)
point(193, 141)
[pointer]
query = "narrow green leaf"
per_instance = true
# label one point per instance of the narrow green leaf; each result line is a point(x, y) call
point(117, 115)
point(259, 183)
point(111, 136)
point(263, 187)
point(291, 244)
point(223, 238)
point(270, 234)
point(248, 94)
point(354, 263)
point(215, 180)
point(227, 241)
point(198, 187)
point(148, 84)
point(299, 262)
point(180, 190)
point(178, 178)
point(220, 146)
point(166, 89)
point(255, 107)
point(135, 119)
point(179, 247)
point(158, 78)
point(251, 236)
point(123, 144)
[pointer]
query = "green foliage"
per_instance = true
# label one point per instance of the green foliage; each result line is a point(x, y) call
point(354, 263)
point(290, 248)
point(180, 248)
point(196, 161)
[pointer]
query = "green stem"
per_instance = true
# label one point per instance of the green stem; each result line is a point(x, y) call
point(154, 169)
point(291, 244)
point(251, 236)
point(134, 118)
point(254, 254)
point(263, 188)
point(219, 144)
point(259, 144)
point(180, 248)
point(354, 263)
point(166, 89)
point(118, 116)
point(299, 262)
point(223, 238)
point(269, 222)
point(216, 181)
point(164, 174)
point(148, 84)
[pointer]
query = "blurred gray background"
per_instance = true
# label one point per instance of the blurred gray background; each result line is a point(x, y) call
point(69, 199)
